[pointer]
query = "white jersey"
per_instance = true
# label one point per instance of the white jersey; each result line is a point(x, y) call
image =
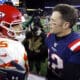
point(11, 50)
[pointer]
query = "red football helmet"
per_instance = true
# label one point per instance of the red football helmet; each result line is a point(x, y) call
point(10, 16)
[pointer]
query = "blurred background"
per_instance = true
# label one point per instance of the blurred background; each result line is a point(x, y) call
point(40, 9)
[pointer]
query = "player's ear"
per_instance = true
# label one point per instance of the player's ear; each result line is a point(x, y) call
point(66, 25)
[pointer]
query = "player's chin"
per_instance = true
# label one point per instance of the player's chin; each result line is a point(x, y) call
point(52, 31)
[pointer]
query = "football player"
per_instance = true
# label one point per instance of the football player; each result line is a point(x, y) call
point(63, 45)
point(13, 57)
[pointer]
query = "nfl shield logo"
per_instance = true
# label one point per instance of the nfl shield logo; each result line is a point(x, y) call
point(55, 44)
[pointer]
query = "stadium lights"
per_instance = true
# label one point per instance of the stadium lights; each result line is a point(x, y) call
point(50, 7)
point(28, 9)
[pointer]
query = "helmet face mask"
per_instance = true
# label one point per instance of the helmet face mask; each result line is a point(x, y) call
point(11, 22)
point(14, 30)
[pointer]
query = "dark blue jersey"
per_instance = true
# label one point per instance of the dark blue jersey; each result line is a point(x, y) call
point(63, 51)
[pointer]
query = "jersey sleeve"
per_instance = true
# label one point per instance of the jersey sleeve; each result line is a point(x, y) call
point(25, 58)
point(71, 69)
point(75, 46)
point(26, 61)
point(75, 51)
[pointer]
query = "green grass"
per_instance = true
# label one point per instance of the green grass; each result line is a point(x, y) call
point(44, 68)
point(76, 28)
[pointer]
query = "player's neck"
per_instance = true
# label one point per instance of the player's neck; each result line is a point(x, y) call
point(64, 33)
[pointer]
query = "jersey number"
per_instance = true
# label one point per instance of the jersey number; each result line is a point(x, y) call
point(3, 44)
point(59, 64)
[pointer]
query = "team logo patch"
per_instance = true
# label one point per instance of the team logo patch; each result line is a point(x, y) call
point(55, 44)
point(2, 14)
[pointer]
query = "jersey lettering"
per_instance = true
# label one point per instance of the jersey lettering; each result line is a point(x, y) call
point(59, 64)
point(3, 44)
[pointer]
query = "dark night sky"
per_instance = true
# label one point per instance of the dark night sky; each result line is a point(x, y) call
point(42, 3)
point(34, 3)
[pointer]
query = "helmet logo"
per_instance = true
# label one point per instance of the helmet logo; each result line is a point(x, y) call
point(2, 14)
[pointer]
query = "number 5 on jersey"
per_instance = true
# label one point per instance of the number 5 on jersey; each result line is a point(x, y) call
point(3, 44)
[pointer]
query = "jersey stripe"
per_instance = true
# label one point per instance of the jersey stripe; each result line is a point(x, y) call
point(77, 49)
point(8, 64)
point(75, 45)
point(26, 62)
point(25, 57)
point(48, 34)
